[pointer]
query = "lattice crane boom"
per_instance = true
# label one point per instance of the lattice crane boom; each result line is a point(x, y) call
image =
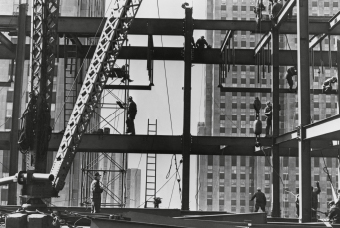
point(110, 43)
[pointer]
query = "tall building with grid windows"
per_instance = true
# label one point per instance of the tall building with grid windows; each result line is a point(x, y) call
point(226, 183)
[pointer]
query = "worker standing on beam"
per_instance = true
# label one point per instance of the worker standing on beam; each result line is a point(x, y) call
point(327, 85)
point(268, 111)
point(126, 75)
point(315, 201)
point(201, 43)
point(132, 111)
point(291, 71)
point(277, 6)
point(96, 192)
point(261, 200)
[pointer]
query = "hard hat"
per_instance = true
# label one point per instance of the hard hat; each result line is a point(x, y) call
point(97, 174)
point(258, 188)
point(268, 103)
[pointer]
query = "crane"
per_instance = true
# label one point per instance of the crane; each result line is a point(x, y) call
point(36, 183)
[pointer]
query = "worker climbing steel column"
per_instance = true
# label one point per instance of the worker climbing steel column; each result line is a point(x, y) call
point(327, 85)
point(291, 71)
point(96, 192)
point(132, 111)
point(268, 111)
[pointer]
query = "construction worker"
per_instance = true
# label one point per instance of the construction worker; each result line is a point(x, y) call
point(334, 213)
point(157, 201)
point(268, 111)
point(258, 12)
point(327, 85)
point(315, 201)
point(96, 192)
point(125, 72)
point(260, 200)
point(277, 6)
point(297, 203)
point(291, 71)
point(132, 111)
point(201, 43)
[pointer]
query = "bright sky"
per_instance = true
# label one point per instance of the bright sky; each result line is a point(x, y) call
point(154, 104)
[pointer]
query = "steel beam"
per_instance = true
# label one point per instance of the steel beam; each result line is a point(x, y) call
point(161, 144)
point(283, 13)
point(268, 90)
point(88, 27)
point(5, 84)
point(16, 112)
point(264, 40)
point(322, 128)
point(304, 110)
point(275, 123)
point(334, 21)
point(130, 87)
point(186, 143)
point(316, 39)
point(7, 43)
point(226, 40)
point(208, 56)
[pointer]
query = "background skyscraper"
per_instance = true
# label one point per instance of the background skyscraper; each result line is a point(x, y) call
point(227, 183)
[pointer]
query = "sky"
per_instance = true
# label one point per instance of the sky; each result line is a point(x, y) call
point(154, 105)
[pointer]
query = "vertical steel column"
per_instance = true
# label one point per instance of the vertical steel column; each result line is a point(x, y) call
point(304, 110)
point(19, 74)
point(338, 64)
point(186, 141)
point(275, 124)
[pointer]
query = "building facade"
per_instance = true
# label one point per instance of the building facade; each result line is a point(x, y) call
point(133, 185)
point(226, 183)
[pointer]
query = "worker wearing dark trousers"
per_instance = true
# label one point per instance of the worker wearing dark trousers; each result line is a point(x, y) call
point(260, 200)
point(201, 43)
point(327, 85)
point(157, 201)
point(125, 73)
point(96, 192)
point(275, 11)
point(268, 112)
point(297, 203)
point(291, 71)
point(132, 111)
point(315, 201)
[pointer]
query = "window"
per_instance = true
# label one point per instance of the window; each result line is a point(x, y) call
point(233, 202)
point(210, 176)
point(223, 7)
point(209, 188)
point(222, 174)
point(234, 117)
point(8, 121)
point(234, 161)
point(316, 162)
point(243, 8)
point(235, 8)
point(209, 201)
point(210, 160)
point(233, 189)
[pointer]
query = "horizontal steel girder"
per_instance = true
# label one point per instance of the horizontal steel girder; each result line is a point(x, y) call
point(207, 56)
point(268, 90)
point(327, 129)
point(87, 26)
point(130, 87)
point(201, 145)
